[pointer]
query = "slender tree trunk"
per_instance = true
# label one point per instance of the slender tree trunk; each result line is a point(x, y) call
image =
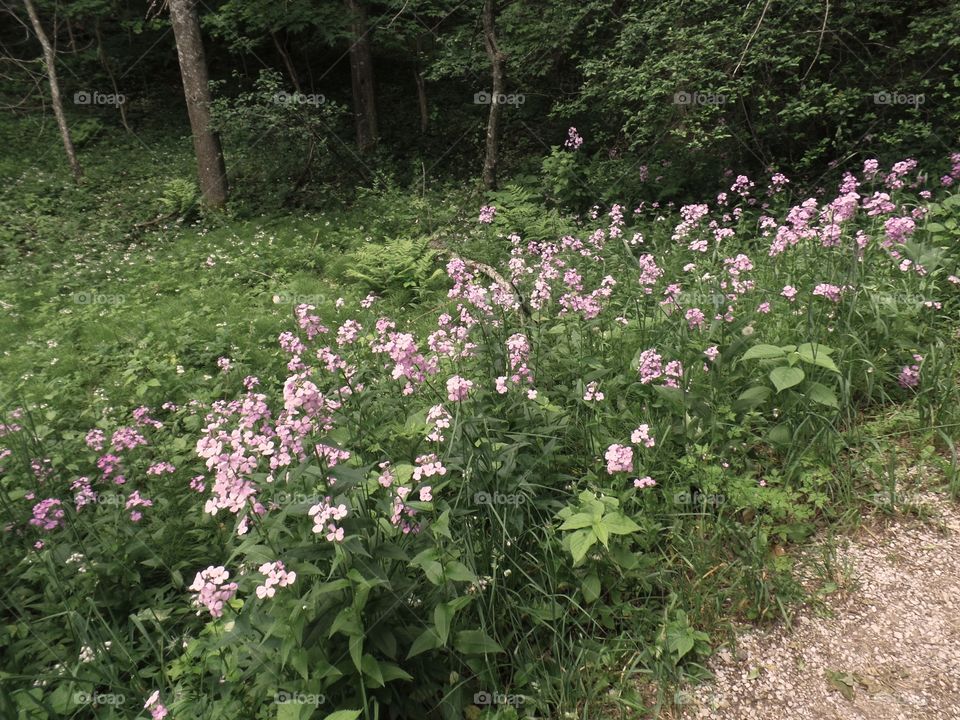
point(361, 76)
point(287, 62)
point(421, 93)
point(50, 60)
point(497, 62)
point(105, 62)
point(193, 69)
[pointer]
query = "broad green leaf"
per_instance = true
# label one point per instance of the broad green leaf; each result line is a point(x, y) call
point(475, 642)
point(619, 524)
point(763, 352)
point(591, 588)
point(371, 668)
point(580, 542)
point(817, 355)
point(820, 393)
point(427, 640)
point(343, 715)
point(580, 520)
point(456, 571)
point(786, 377)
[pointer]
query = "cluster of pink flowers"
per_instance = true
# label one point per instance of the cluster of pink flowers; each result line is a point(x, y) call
point(401, 511)
point(109, 464)
point(910, 374)
point(348, 332)
point(325, 512)
point(642, 436)
point(830, 292)
point(650, 273)
point(95, 439)
point(651, 368)
point(954, 174)
point(308, 322)
point(224, 363)
point(898, 229)
point(696, 320)
point(276, 576)
point(619, 459)
point(127, 438)
point(141, 416)
point(487, 213)
point(158, 710)
point(592, 393)
point(644, 482)
point(458, 388)
point(134, 501)
point(212, 591)
point(161, 468)
point(48, 514)
point(84, 494)
point(573, 141)
point(438, 419)
point(428, 466)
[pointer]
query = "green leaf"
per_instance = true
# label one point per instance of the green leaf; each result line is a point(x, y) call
point(817, 354)
point(591, 588)
point(371, 668)
point(580, 542)
point(442, 615)
point(427, 640)
point(580, 520)
point(786, 377)
point(752, 397)
point(475, 642)
point(356, 650)
point(820, 393)
point(343, 715)
point(763, 352)
point(456, 571)
point(288, 711)
point(389, 671)
point(619, 524)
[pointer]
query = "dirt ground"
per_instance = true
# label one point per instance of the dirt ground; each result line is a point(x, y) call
point(884, 646)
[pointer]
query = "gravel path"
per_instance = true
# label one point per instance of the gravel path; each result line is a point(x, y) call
point(888, 649)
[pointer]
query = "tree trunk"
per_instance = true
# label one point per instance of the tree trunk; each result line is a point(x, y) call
point(50, 60)
point(193, 70)
point(421, 93)
point(361, 76)
point(287, 62)
point(497, 61)
point(105, 62)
